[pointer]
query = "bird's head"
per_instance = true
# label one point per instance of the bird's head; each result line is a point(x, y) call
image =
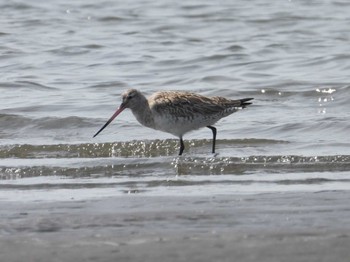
point(130, 99)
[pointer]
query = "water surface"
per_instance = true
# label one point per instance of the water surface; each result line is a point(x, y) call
point(64, 66)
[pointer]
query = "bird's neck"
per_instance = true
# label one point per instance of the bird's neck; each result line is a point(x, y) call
point(143, 114)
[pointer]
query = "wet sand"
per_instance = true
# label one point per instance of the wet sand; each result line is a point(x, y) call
point(301, 226)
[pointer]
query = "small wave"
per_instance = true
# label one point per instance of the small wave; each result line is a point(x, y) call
point(51, 123)
point(170, 166)
point(235, 48)
point(111, 19)
point(137, 148)
point(11, 121)
point(35, 85)
point(26, 84)
point(217, 78)
point(17, 6)
point(153, 157)
point(15, 122)
point(73, 50)
point(111, 84)
point(265, 164)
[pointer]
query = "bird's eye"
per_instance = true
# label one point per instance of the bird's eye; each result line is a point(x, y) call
point(130, 96)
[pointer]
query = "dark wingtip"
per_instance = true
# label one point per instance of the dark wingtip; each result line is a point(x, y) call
point(244, 102)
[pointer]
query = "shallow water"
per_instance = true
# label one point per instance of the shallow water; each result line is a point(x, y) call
point(63, 67)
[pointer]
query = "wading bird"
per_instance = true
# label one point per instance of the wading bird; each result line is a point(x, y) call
point(178, 112)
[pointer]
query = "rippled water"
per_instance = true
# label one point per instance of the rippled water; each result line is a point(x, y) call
point(64, 65)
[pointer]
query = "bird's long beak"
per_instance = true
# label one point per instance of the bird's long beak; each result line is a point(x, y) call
point(119, 110)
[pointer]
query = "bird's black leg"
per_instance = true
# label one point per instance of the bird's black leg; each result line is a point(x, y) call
point(214, 137)
point(182, 146)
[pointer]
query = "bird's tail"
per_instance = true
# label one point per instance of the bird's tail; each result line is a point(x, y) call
point(244, 102)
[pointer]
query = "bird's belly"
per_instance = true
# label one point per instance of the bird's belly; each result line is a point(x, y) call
point(178, 126)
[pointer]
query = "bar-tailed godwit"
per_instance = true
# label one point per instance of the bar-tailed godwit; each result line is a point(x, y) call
point(178, 112)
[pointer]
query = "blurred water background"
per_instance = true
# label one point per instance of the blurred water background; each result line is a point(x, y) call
point(65, 64)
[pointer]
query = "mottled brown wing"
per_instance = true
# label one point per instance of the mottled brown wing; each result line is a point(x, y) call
point(181, 104)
